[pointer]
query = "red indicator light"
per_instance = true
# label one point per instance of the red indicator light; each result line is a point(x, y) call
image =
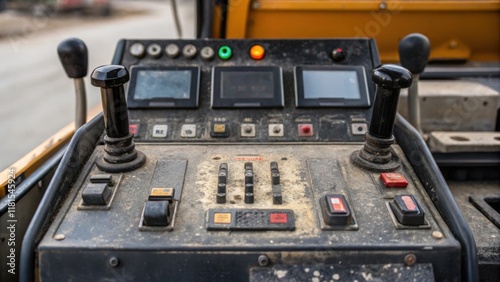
point(278, 218)
point(410, 205)
point(394, 180)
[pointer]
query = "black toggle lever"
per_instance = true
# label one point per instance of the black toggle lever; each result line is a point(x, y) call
point(74, 59)
point(376, 153)
point(120, 153)
point(414, 50)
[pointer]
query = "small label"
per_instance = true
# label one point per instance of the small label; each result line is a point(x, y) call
point(278, 218)
point(222, 218)
point(410, 205)
point(162, 192)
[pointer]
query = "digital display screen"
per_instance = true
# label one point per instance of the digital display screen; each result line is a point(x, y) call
point(174, 84)
point(163, 87)
point(330, 84)
point(247, 85)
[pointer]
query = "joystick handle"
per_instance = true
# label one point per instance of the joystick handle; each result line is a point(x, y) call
point(120, 154)
point(389, 80)
point(110, 79)
point(74, 59)
point(376, 154)
point(414, 50)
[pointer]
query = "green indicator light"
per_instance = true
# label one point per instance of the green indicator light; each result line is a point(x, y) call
point(225, 52)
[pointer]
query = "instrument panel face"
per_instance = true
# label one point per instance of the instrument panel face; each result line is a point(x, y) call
point(219, 91)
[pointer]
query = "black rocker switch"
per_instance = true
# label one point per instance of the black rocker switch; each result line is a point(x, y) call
point(414, 50)
point(73, 55)
point(335, 210)
point(376, 154)
point(96, 194)
point(407, 210)
point(158, 207)
point(120, 154)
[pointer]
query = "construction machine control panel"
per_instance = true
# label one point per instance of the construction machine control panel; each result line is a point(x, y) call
point(252, 160)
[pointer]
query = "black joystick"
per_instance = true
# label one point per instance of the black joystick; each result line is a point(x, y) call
point(74, 59)
point(376, 153)
point(414, 50)
point(120, 153)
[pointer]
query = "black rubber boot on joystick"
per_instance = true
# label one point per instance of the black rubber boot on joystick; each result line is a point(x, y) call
point(376, 153)
point(120, 153)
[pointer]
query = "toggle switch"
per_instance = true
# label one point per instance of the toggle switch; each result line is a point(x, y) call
point(335, 210)
point(157, 210)
point(249, 196)
point(407, 210)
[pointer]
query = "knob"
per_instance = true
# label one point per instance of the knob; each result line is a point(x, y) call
point(74, 59)
point(120, 154)
point(414, 50)
point(376, 153)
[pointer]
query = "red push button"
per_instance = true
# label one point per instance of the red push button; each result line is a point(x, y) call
point(394, 180)
point(278, 218)
point(305, 129)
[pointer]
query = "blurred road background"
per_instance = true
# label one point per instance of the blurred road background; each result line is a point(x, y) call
point(36, 97)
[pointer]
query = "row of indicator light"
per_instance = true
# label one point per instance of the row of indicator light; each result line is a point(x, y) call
point(190, 51)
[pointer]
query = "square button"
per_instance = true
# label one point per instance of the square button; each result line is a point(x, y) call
point(222, 217)
point(393, 180)
point(276, 130)
point(133, 128)
point(188, 130)
point(305, 129)
point(160, 130)
point(247, 130)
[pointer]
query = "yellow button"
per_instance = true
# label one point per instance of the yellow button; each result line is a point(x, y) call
point(219, 128)
point(257, 52)
point(162, 192)
point(224, 218)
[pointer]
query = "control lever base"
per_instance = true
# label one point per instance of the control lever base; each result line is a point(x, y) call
point(376, 155)
point(120, 155)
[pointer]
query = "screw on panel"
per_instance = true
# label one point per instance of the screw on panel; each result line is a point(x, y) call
point(59, 237)
point(437, 235)
point(410, 259)
point(382, 6)
point(263, 260)
point(113, 261)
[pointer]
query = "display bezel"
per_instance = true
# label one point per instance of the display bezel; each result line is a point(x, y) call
point(191, 102)
point(301, 102)
point(277, 101)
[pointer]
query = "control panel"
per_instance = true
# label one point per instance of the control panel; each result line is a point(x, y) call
point(249, 91)
point(249, 160)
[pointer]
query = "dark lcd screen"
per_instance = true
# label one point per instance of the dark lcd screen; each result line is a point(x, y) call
point(331, 86)
point(152, 84)
point(247, 87)
point(163, 87)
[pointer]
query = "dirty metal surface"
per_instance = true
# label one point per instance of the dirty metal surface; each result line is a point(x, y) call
point(308, 172)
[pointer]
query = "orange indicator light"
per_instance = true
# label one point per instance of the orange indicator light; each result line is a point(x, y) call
point(257, 52)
